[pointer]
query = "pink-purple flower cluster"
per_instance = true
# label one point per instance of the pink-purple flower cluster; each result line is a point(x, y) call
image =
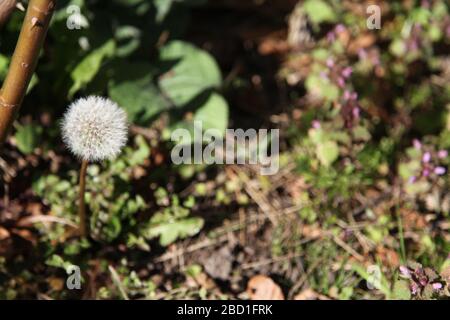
point(331, 36)
point(339, 75)
point(373, 56)
point(429, 162)
point(420, 278)
point(414, 42)
point(350, 108)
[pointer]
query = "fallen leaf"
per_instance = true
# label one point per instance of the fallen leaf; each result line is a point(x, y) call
point(310, 294)
point(263, 288)
point(56, 284)
point(218, 265)
point(364, 41)
point(4, 233)
point(307, 294)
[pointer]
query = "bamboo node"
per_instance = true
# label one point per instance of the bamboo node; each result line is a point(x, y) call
point(3, 103)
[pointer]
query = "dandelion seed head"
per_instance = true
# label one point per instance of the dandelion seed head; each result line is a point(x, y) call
point(95, 128)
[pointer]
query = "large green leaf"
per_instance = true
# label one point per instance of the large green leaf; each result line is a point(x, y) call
point(193, 71)
point(173, 230)
point(134, 90)
point(86, 70)
point(214, 113)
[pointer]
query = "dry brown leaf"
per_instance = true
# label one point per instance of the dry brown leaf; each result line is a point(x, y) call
point(445, 274)
point(25, 234)
point(362, 42)
point(307, 294)
point(270, 46)
point(4, 234)
point(412, 220)
point(56, 284)
point(264, 288)
point(388, 256)
point(312, 231)
point(310, 294)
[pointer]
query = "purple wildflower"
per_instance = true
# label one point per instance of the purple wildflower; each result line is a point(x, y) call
point(356, 112)
point(442, 154)
point(347, 72)
point(412, 179)
point(331, 37)
point(425, 4)
point(339, 28)
point(347, 95)
point(330, 63)
point(362, 54)
point(316, 124)
point(426, 157)
point(439, 171)
point(437, 286)
point(417, 144)
point(404, 271)
point(414, 288)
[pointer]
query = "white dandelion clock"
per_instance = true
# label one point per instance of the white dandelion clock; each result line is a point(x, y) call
point(95, 129)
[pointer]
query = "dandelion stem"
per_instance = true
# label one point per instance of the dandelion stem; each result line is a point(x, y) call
point(81, 203)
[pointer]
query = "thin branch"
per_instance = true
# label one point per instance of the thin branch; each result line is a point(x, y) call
point(23, 62)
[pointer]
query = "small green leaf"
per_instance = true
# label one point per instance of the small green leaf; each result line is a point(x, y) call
point(319, 11)
point(361, 133)
point(398, 48)
point(401, 290)
point(134, 90)
point(171, 231)
point(28, 137)
point(327, 152)
point(213, 114)
point(86, 70)
point(162, 9)
point(322, 87)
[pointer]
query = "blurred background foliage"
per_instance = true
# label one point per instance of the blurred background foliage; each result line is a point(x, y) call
point(365, 134)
